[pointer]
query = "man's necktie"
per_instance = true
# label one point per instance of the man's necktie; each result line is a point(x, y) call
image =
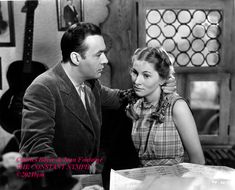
point(81, 92)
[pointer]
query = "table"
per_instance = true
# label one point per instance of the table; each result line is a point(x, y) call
point(181, 176)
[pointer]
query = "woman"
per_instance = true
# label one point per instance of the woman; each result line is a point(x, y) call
point(163, 124)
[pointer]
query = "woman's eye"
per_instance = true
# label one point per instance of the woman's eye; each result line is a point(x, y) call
point(133, 72)
point(146, 76)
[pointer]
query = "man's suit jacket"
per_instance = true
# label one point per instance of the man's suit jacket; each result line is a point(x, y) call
point(55, 122)
point(70, 15)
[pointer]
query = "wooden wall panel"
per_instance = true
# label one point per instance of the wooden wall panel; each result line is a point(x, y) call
point(118, 27)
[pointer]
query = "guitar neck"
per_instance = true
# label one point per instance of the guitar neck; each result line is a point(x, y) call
point(28, 42)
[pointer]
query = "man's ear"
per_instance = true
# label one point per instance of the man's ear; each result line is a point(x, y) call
point(75, 58)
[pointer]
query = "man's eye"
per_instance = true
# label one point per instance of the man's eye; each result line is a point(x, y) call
point(106, 52)
point(99, 54)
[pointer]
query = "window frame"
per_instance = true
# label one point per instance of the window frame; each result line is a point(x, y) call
point(221, 73)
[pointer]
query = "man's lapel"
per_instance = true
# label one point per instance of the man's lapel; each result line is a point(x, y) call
point(71, 98)
point(94, 113)
point(75, 105)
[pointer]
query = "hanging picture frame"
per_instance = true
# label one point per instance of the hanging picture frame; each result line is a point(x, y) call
point(0, 74)
point(69, 12)
point(7, 31)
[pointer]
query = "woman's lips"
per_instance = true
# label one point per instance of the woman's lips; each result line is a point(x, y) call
point(138, 88)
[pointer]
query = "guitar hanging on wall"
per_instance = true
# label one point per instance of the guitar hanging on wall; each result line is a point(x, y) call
point(20, 74)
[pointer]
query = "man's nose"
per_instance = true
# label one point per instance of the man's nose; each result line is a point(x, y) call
point(103, 59)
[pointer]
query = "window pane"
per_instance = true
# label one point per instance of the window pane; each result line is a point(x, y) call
point(193, 33)
point(205, 105)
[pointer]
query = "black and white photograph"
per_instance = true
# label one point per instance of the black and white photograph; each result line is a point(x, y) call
point(7, 32)
point(117, 95)
point(69, 12)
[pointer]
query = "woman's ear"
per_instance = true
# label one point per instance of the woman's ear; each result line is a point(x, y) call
point(75, 58)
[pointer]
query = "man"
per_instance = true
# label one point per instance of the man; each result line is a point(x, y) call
point(3, 23)
point(62, 107)
point(56, 121)
point(70, 14)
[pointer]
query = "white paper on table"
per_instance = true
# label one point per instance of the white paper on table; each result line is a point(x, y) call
point(119, 182)
point(211, 172)
point(157, 171)
point(186, 175)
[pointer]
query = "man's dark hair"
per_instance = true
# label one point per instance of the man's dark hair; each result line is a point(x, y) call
point(74, 37)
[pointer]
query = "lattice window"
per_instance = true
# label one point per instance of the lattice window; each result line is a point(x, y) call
point(197, 34)
point(192, 37)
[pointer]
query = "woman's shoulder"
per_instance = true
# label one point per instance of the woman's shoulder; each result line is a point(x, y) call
point(174, 97)
point(178, 103)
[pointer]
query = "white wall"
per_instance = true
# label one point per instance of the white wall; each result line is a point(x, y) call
point(46, 41)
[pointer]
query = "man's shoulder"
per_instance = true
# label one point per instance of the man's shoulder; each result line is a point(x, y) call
point(42, 85)
point(47, 77)
point(52, 75)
